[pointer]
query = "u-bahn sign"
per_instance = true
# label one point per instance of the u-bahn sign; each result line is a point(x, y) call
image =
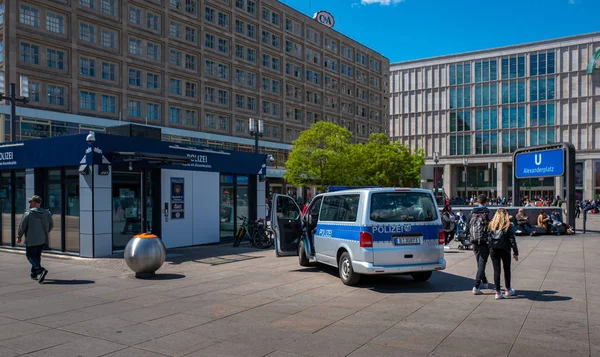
point(552, 160)
point(546, 163)
point(324, 18)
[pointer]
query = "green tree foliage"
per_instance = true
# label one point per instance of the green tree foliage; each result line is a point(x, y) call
point(323, 155)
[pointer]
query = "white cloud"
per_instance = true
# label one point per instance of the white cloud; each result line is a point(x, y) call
point(571, 2)
point(381, 2)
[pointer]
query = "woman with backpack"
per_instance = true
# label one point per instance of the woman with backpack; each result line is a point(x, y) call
point(501, 241)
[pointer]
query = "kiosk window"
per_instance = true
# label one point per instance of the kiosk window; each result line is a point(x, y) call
point(340, 208)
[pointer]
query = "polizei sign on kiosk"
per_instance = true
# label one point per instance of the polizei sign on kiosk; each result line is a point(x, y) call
point(548, 163)
point(324, 18)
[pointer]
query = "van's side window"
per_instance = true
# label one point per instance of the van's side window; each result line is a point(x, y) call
point(340, 208)
point(286, 208)
point(315, 207)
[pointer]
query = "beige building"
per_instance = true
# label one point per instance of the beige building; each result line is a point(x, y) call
point(477, 108)
point(199, 69)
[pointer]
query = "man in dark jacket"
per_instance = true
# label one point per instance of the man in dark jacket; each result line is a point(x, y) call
point(480, 218)
point(36, 225)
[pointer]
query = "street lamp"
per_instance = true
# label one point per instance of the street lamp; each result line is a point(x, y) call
point(436, 159)
point(465, 164)
point(12, 98)
point(492, 176)
point(256, 129)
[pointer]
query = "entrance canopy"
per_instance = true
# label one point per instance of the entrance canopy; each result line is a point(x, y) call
point(69, 150)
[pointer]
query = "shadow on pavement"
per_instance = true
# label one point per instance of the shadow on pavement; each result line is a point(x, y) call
point(440, 281)
point(166, 277)
point(214, 254)
point(67, 282)
point(545, 295)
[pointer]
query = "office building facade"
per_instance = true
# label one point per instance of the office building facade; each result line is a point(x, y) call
point(203, 67)
point(475, 109)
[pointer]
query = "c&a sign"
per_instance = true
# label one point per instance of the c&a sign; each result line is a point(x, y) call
point(325, 18)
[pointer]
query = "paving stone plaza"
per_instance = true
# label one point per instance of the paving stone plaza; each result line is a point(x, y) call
point(224, 301)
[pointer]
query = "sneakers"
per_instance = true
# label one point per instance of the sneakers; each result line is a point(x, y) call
point(476, 291)
point(446, 247)
point(498, 296)
point(33, 277)
point(510, 292)
point(484, 286)
point(42, 276)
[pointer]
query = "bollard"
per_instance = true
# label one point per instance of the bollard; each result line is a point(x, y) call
point(584, 219)
point(145, 254)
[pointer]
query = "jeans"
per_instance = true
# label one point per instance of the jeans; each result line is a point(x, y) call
point(448, 237)
point(526, 227)
point(34, 255)
point(482, 253)
point(497, 256)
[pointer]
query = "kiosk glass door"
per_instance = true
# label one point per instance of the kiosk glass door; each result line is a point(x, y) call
point(126, 204)
point(6, 202)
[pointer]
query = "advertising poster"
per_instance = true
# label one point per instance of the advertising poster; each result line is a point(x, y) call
point(177, 197)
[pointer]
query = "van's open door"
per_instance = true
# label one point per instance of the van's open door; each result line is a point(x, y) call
point(286, 222)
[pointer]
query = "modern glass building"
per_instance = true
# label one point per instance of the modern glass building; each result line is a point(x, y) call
point(475, 109)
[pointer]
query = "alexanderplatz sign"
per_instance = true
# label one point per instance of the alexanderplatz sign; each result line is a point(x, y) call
point(552, 160)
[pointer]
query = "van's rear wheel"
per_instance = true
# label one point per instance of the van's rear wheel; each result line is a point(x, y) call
point(302, 258)
point(347, 274)
point(421, 276)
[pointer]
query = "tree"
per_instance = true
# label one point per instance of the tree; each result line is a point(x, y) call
point(323, 155)
point(320, 156)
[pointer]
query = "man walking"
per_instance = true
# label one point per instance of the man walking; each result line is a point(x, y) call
point(478, 228)
point(36, 225)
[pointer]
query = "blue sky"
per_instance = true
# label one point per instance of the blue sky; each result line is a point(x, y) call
point(411, 29)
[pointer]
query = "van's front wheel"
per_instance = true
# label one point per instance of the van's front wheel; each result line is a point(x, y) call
point(302, 258)
point(347, 274)
point(421, 276)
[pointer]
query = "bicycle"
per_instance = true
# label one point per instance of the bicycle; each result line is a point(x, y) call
point(255, 232)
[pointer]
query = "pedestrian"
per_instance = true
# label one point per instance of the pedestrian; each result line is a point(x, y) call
point(36, 225)
point(448, 225)
point(305, 208)
point(502, 240)
point(478, 228)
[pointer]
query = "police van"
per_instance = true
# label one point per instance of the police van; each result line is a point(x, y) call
point(363, 231)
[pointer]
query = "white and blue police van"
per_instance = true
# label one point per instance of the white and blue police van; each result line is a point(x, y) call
point(363, 231)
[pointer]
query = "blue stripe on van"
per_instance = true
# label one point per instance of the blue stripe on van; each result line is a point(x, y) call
point(337, 231)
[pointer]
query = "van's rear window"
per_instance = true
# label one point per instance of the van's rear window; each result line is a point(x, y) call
point(402, 207)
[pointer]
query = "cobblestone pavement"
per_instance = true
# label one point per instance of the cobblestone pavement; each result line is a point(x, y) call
point(224, 301)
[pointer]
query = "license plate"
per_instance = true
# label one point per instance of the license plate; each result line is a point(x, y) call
point(407, 240)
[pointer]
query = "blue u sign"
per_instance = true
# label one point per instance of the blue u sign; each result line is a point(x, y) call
point(549, 163)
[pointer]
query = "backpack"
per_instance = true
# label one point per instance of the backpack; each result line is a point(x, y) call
point(497, 239)
point(478, 229)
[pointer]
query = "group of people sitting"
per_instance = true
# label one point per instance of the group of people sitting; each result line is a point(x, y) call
point(547, 223)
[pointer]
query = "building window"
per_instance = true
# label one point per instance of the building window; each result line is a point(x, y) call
point(210, 121)
point(541, 63)
point(135, 15)
point(223, 20)
point(541, 89)
point(30, 16)
point(153, 51)
point(87, 67)
point(190, 117)
point(486, 119)
point(541, 115)
point(135, 108)
point(153, 111)
point(460, 97)
point(190, 7)
point(135, 77)
point(153, 21)
point(56, 95)
point(190, 90)
point(135, 47)
point(460, 145)
point(153, 81)
point(209, 41)
point(512, 140)
point(90, 4)
point(209, 95)
point(513, 117)
point(513, 92)
point(87, 100)
point(34, 91)
point(109, 7)
point(223, 123)
point(109, 104)
point(175, 29)
point(190, 62)
point(87, 32)
point(55, 23)
point(486, 94)
point(109, 38)
point(240, 126)
point(190, 34)
point(175, 86)
point(175, 115)
point(460, 73)
point(223, 46)
point(175, 58)
point(513, 67)
point(30, 53)
point(486, 70)
point(223, 71)
point(55, 59)
point(223, 97)
point(109, 71)
point(486, 143)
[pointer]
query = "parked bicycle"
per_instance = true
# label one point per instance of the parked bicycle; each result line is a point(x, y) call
point(255, 232)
